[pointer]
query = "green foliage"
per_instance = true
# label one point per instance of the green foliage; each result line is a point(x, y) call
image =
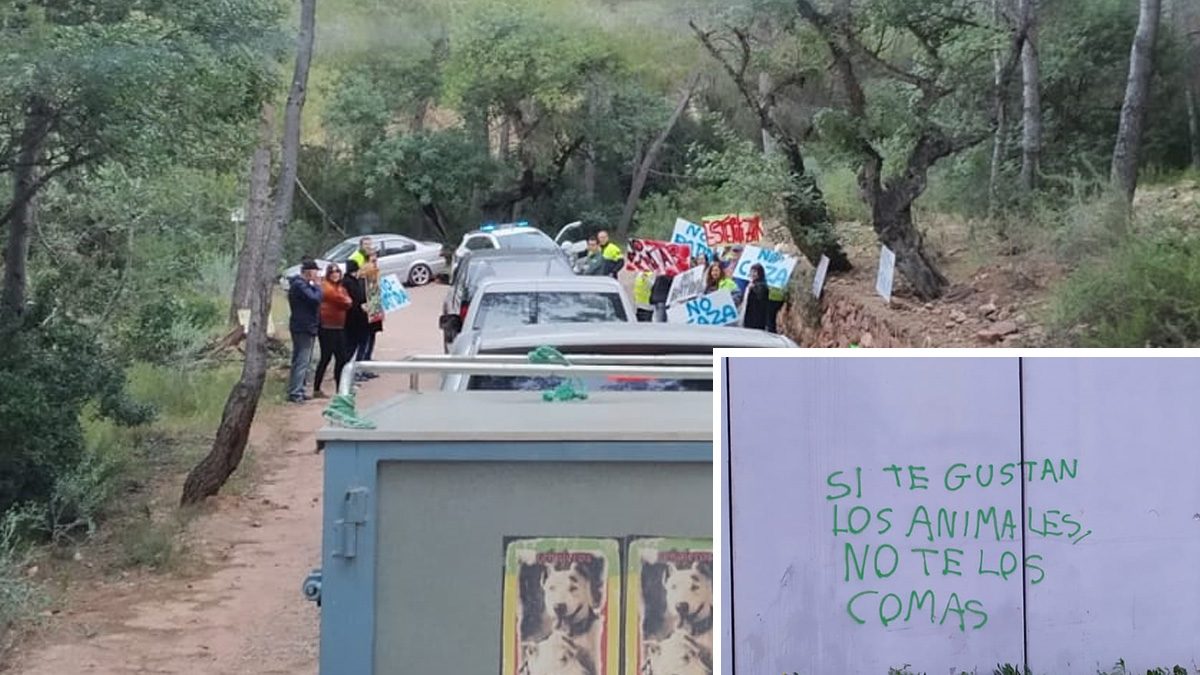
point(1145, 293)
point(19, 596)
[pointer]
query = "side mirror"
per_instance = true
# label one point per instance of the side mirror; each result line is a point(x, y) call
point(451, 322)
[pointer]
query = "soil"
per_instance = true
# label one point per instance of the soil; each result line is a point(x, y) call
point(235, 606)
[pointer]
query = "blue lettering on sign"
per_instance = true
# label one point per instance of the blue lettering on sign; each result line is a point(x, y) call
point(769, 257)
point(701, 311)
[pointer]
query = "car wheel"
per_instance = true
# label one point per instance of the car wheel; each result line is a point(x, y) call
point(419, 275)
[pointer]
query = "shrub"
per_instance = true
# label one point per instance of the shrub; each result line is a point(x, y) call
point(1146, 292)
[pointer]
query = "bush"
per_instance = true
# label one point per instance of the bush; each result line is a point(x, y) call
point(169, 329)
point(1145, 293)
point(19, 597)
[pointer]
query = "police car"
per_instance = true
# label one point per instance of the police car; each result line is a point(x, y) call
point(520, 235)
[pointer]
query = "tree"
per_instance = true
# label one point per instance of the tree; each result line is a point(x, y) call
point(251, 256)
point(808, 217)
point(1031, 118)
point(1127, 150)
point(209, 475)
point(920, 96)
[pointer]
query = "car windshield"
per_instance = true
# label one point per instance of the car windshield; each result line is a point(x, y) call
point(534, 267)
point(506, 310)
point(526, 239)
point(341, 252)
point(598, 383)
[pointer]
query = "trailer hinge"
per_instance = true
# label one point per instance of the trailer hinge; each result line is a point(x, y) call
point(312, 587)
point(345, 529)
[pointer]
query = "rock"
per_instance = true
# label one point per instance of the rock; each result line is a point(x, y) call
point(1005, 328)
point(958, 315)
point(988, 309)
point(937, 311)
point(77, 557)
point(32, 571)
point(928, 305)
point(867, 340)
point(988, 336)
point(997, 332)
point(256, 524)
point(951, 324)
point(1021, 318)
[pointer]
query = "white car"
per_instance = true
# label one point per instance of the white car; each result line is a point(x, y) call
point(520, 236)
point(415, 263)
point(512, 303)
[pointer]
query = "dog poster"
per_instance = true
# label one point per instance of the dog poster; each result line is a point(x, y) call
point(669, 607)
point(562, 613)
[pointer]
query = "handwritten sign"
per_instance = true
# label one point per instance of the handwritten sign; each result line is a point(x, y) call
point(778, 267)
point(686, 286)
point(659, 257)
point(732, 228)
point(693, 235)
point(392, 295)
point(938, 543)
point(819, 278)
point(714, 309)
point(886, 273)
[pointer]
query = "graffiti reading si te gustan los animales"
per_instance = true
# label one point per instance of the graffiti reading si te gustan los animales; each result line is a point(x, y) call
point(941, 547)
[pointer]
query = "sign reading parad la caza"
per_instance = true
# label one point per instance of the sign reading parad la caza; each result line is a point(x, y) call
point(659, 257)
point(732, 228)
point(778, 266)
point(687, 285)
point(714, 309)
point(693, 236)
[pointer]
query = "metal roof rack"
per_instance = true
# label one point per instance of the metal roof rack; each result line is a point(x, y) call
point(682, 366)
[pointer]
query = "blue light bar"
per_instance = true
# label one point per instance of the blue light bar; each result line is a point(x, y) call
point(523, 223)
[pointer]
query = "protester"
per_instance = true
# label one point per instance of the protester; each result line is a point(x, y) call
point(757, 305)
point(370, 276)
point(715, 279)
point(304, 300)
point(332, 335)
point(641, 296)
point(614, 259)
point(659, 293)
point(357, 325)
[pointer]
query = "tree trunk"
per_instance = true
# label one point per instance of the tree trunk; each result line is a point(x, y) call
point(651, 156)
point(1031, 120)
point(38, 120)
point(1000, 102)
point(258, 217)
point(1194, 123)
point(764, 92)
point(894, 224)
point(505, 141)
point(207, 477)
point(1127, 149)
point(589, 155)
point(1187, 21)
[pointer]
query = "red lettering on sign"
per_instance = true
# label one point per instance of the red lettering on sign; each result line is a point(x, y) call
point(733, 229)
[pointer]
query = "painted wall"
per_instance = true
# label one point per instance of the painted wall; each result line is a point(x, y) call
point(957, 513)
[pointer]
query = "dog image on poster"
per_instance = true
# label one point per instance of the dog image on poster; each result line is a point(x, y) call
point(561, 606)
point(669, 607)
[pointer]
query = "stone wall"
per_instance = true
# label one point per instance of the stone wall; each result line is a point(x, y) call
point(844, 321)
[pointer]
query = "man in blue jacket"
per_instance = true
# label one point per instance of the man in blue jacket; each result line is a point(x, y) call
point(304, 299)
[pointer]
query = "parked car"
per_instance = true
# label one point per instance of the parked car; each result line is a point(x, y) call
point(508, 303)
point(415, 263)
point(480, 265)
point(514, 236)
point(612, 339)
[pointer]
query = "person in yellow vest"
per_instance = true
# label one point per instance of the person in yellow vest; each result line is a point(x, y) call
point(642, 283)
point(613, 257)
point(365, 248)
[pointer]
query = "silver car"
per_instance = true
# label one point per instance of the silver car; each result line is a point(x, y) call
point(605, 339)
point(415, 263)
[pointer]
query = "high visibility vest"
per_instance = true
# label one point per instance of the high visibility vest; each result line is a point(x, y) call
point(612, 252)
point(359, 258)
point(776, 294)
point(726, 282)
point(641, 289)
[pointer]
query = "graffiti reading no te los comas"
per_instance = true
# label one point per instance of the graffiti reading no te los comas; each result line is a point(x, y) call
point(936, 544)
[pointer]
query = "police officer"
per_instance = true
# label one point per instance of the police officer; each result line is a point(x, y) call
point(613, 257)
point(642, 283)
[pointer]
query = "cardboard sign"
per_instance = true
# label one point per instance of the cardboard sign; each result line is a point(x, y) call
point(686, 286)
point(539, 574)
point(392, 295)
point(819, 279)
point(732, 228)
point(886, 274)
point(777, 266)
point(662, 574)
point(693, 236)
point(715, 309)
point(659, 257)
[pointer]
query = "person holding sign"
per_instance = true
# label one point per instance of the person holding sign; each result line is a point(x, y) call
point(757, 306)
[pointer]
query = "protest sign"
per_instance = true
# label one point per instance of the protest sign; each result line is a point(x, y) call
point(819, 279)
point(659, 257)
point(392, 295)
point(885, 275)
point(693, 235)
point(732, 228)
point(686, 285)
point(778, 267)
point(715, 309)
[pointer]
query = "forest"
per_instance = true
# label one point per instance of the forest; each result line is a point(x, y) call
point(1058, 138)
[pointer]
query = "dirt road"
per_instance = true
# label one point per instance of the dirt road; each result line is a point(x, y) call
point(246, 615)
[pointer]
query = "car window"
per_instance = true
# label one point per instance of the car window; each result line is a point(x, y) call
point(509, 309)
point(479, 243)
point(529, 239)
point(341, 252)
point(397, 246)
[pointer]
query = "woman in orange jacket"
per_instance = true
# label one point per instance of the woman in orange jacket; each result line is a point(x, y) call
point(335, 302)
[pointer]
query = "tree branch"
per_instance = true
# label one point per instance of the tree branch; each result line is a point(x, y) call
point(42, 180)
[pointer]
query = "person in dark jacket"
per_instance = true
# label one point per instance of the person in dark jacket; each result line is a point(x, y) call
point(659, 293)
point(758, 299)
point(304, 300)
point(357, 324)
